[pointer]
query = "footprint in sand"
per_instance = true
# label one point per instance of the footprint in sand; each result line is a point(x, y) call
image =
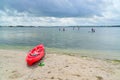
point(15, 74)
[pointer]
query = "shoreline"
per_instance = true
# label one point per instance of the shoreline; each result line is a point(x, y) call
point(57, 67)
point(97, 54)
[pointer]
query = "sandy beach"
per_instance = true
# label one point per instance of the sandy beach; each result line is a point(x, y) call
point(57, 67)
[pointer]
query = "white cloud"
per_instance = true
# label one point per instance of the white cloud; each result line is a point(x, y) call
point(28, 20)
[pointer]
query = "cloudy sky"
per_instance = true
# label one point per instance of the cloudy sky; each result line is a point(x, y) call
point(59, 12)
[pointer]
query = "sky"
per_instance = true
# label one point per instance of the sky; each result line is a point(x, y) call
point(59, 12)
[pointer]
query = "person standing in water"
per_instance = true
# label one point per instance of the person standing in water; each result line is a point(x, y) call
point(63, 29)
point(92, 30)
point(78, 28)
point(59, 29)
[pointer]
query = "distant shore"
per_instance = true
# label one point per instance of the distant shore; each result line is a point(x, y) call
point(65, 26)
point(57, 67)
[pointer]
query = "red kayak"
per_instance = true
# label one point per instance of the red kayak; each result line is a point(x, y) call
point(36, 54)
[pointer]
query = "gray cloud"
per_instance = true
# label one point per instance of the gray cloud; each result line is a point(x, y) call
point(59, 12)
point(56, 8)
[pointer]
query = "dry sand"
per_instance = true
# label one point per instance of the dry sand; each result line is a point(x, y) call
point(57, 67)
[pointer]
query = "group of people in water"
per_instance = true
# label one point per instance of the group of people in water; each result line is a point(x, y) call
point(63, 29)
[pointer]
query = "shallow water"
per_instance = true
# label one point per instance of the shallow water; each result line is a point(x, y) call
point(104, 43)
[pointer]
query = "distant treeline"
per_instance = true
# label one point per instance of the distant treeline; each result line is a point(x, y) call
point(97, 26)
point(62, 26)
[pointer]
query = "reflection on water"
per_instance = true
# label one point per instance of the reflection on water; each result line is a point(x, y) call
point(104, 39)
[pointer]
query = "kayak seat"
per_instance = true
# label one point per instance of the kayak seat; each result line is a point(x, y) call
point(35, 54)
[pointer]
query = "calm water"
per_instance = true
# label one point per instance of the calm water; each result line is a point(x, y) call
point(105, 42)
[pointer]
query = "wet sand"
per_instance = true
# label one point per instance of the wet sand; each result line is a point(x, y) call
point(57, 67)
